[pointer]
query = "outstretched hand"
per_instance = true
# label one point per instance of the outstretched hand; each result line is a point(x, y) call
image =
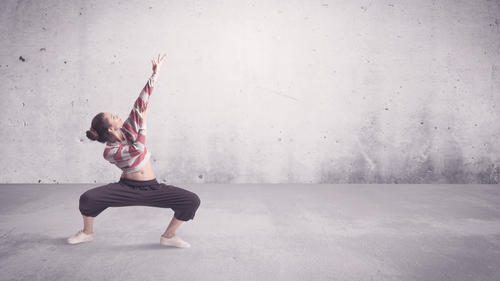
point(157, 64)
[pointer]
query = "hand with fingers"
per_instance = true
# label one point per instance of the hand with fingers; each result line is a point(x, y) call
point(157, 64)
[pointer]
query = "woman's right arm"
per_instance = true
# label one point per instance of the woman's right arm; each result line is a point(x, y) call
point(134, 123)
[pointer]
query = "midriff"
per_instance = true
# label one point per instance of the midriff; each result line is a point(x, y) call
point(144, 174)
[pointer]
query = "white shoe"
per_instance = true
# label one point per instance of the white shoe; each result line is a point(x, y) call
point(80, 237)
point(174, 241)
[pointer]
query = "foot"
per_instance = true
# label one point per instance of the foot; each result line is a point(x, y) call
point(80, 237)
point(174, 241)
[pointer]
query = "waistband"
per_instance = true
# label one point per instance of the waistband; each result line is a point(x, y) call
point(134, 183)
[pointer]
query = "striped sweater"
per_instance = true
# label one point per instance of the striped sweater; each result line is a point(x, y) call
point(131, 154)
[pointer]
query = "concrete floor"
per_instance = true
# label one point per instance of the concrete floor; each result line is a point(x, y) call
point(260, 232)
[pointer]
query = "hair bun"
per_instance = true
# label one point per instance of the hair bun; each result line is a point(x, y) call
point(92, 134)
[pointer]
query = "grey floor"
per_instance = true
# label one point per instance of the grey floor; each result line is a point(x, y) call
point(260, 232)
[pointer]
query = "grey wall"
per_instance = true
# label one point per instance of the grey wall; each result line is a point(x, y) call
point(256, 91)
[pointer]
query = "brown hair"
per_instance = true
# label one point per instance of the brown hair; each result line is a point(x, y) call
point(99, 129)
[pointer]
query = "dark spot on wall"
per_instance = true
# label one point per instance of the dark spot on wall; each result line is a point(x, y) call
point(386, 108)
point(22, 59)
point(43, 49)
point(200, 176)
point(39, 181)
point(65, 62)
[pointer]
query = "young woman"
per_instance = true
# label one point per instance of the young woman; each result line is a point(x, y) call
point(125, 148)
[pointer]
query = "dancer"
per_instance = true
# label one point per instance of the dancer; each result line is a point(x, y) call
point(126, 148)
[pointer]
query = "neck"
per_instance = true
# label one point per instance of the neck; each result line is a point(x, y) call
point(117, 136)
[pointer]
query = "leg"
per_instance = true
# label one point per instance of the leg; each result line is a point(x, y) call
point(172, 227)
point(88, 225)
point(184, 204)
point(92, 203)
point(170, 239)
point(85, 235)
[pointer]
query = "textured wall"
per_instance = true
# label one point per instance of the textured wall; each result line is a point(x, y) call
point(256, 91)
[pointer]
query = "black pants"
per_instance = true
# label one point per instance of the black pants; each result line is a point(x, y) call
point(140, 193)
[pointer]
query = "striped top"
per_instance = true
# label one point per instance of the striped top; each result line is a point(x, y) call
point(131, 154)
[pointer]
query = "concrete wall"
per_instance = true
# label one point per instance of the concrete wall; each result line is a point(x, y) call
point(299, 91)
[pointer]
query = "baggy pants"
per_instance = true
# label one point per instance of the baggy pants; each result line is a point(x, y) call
point(150, 193)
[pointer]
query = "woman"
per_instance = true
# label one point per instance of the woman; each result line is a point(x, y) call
point(125, 148)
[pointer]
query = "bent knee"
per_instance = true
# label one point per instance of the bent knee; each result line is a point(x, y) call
point(195, 201)
point(87, 198)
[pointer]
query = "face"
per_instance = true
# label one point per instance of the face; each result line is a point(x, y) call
point(115, 121)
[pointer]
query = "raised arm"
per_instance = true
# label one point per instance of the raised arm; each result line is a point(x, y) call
point(148, 88)
point(134, 124)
